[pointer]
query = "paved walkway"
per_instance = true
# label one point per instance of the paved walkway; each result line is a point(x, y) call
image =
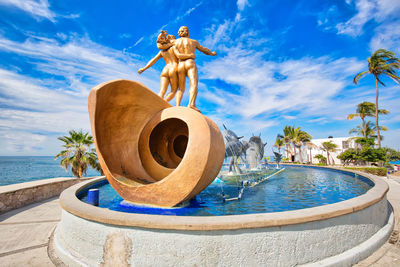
point(389, 254)
point(25, 232)
point(396, 174)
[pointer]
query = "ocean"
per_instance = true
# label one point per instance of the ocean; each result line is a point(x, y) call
point(30, 168)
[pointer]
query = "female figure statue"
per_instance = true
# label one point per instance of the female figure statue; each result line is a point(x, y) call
point(169, 75)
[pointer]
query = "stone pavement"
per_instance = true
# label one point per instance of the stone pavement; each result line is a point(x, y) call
point(25, 232)
point(389, 254)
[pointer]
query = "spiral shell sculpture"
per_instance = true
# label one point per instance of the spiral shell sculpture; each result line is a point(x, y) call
point(150, 152)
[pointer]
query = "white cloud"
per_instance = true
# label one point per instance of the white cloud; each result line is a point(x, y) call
point(313, 90)
point(319, 120)
point(81, 61)
point(220, 37)
point(188, 12)
point(71, 16)
point(21, 142)
point(308, 84)
point(241, 4)
point(23, 92)
point(391, 139)
point(289, 117)
point(354, 26)
point(218, 34)
point(387, 36)
point(386, 9)
point(125, 35)
point(151, 38)
point(38, 9)
point(31, 111)
point(138, 41)
point(178, 18)
point(367, 10)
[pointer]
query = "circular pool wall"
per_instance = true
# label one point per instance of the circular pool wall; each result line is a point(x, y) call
point(339, 234)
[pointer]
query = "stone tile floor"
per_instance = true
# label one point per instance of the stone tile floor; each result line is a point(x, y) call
point(389, 254)
point(25, 232)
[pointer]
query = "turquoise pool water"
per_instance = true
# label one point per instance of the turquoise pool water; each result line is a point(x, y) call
point(294, 188)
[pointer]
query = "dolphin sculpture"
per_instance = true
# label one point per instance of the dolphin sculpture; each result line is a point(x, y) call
point(234, 148)
point(255, 151)
point(278, 158)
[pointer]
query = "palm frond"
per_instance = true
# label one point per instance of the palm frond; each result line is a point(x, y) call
point(352, 116)
point(395, 78)
point(360, 75)
point(383, 112)
point(77, 154)
point(377, 78)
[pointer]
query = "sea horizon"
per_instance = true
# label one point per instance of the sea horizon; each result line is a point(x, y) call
point(20, 169)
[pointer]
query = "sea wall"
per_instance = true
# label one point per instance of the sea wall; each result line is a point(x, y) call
point(19, 195)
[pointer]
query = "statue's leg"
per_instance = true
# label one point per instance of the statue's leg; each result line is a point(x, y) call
point(194, 79)
point(173, 79)
point(164, 82)
point(181, 81)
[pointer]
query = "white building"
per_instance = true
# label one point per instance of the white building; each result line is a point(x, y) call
point(343, 143)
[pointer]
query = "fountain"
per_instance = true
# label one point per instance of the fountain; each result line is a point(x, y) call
point(253, 150)
point(278, 158)
point(159, 205)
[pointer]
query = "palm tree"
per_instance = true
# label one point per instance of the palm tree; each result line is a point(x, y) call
point(381, 62)
point(366, 109)
point(320, 158)
point(288, 133)
point(329, 147)
point(279, 143)
point(368, 130)
point(296, 137)
point(299, 138)
point(310, 146)
point(78, 153)
point(94, 161)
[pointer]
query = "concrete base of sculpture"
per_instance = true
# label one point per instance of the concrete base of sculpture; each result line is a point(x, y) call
point(339, 234)
point(150, 152)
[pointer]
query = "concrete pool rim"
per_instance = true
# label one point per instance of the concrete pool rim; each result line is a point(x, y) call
point(72, 204)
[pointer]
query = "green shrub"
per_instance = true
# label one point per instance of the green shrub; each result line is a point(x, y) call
point(321, 164)
point(321, 158)
point(371, 170)
point(365, 154)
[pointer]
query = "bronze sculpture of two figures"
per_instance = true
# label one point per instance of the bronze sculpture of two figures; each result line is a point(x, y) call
point(179, 56)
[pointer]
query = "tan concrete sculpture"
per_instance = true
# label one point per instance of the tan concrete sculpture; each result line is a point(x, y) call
point(150, 152)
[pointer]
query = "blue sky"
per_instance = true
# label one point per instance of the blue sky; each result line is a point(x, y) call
point(278, 63)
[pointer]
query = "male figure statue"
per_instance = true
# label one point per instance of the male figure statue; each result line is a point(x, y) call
point(184, 49)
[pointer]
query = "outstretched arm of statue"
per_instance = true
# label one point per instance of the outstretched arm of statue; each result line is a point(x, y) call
point(150, 63)
point(205, 50)
point(181, 56)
